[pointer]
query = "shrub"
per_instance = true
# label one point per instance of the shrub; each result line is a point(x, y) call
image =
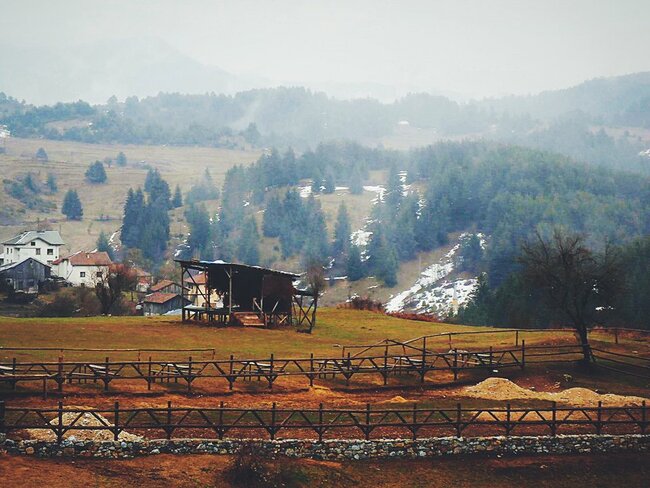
point(63, 305)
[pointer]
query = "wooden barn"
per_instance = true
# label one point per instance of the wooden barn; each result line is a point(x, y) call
point(239, 294)
point(25, 275)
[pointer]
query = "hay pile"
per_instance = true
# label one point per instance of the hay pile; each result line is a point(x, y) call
point(86, 419)
point(504, 389)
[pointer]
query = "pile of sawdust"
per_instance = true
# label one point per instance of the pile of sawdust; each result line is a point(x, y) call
point(87, 420)
point(504, 389)
point(397, 399)
point(320, 390)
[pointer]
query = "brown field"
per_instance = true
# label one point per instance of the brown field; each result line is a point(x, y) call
point(544, 471)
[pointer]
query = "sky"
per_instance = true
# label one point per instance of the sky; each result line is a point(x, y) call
point(473, 48)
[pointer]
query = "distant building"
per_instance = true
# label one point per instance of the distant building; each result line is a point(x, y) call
point(83, 268)
point(197, 291)
point(144, 280)
point(26, 275)
point(166, 286)
point(43, 245)
point(160, 303)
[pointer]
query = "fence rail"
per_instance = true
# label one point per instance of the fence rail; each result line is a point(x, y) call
point(270, 369)
point(227, 422)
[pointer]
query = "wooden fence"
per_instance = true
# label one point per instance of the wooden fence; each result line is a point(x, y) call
point(226, 422)
point(270, 369)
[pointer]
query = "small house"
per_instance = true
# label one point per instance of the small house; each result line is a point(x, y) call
point(25, 275)
point(160, 303)
point(83, 268)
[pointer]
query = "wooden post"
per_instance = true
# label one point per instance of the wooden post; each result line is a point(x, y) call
point(59, 378)
point(423, 366)
point(455, 368)
point(508, 419)
point(220, 426)
point(523, 354)
point(311, 369)
point(367, 429)
point(516, 338)
point(189, 375)
point(459, 418)
point(320, 422)
point(116, 429)
point(169, 428)
point(599, 418)
point(229, 293)
point(149, 378)
point(273, 421)
point(230, 378)
point(554, 419)
point(59, 430)
point(271, 374)
point(415, 420)
point(615, 335)
point(450, 342)
point(106, 374)
point(385, 375)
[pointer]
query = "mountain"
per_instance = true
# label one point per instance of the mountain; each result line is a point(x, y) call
point(96, 71)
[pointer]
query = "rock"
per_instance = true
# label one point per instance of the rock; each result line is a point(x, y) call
point(29, 450)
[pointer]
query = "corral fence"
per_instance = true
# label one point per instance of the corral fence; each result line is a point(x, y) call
point(419, 364)
point(317, 423)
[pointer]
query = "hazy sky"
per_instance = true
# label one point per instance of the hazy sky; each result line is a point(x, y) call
point(477, 48)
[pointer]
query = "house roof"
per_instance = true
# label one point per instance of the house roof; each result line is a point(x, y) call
point(162, 284)
point(197, 279)
point(52, 237)
point(5, 267)
point(160, 297)
point(81, 258)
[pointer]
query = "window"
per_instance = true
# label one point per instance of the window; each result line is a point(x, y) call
point(38, 251)
point(50, 252)
point(99, 274)
point(82, 274)
point(33, 243)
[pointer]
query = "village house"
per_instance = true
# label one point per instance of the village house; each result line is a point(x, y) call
point(83, 268)
point(160, 303)
point(144, 280)
point(26, 275)
point(42, 245)
point(197, 292)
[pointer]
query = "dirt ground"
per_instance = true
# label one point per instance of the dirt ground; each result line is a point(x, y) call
point(629, 470)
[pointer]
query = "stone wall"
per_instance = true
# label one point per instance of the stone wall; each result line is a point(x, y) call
point(338, 449)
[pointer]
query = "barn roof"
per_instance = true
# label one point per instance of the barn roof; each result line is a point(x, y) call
point(202, 265)
point(160, 297)
point(7, 266)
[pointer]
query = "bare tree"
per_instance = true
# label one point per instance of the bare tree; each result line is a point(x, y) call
point(110, 286)
point(573, 279)
point(316, 281)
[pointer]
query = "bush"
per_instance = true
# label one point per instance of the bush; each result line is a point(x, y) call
point(363, 303)
point(63, 305)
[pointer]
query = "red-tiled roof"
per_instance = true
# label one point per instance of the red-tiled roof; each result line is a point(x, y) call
point(162, 284)
point(160, 297)
point(98, 258)
point(198, 279)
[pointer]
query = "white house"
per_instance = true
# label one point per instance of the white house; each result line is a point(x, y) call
point(83, 268)
point(42, 245)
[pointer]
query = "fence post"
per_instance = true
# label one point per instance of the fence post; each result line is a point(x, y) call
point(59, 430)
point(415, 421)
point(59, 373)
point(423, 366)
point(189, 375)
point(554, 419)
point(106, 374)
point(615, 335)
point(149, 378)
point(516, 338)
point(270, 379)
point(455, 368)
point(508, 419)
point(491, 356)
point(450, 342)
point(169, 428)
point(230, 378)
point(367, 429)
point(311, 369)
point(459, 429)
point(523, 354)
point(272, 431)
point(116, 429)
point(599, 417)
point(220, 426)
point(385, 375)
point(2, 417)
point(320, 422)
point(643, 417)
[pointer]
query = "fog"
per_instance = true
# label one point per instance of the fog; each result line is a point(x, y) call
point(463, 49)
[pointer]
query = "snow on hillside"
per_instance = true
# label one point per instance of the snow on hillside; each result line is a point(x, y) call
point(433, 293)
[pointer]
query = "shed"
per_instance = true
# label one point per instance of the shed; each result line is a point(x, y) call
point(25, 275)
point(160, 303)
point(248, 295)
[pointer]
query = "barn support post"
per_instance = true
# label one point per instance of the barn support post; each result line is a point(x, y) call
point(230, 294)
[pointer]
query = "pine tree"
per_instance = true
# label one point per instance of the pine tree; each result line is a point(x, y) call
point(394, 191)
point(71, 207)
point(41, 155)
point(121, 159)
point(51, 183)
point(248, 244)
point(103, 245)
point(354, 265)
point(200, 235)
point(356, 182)
point(388, 268)
point(133, 210)
point(342, 231)
point(273, 217)
point(177, 201)
point(329, 184)
point(96, 173)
